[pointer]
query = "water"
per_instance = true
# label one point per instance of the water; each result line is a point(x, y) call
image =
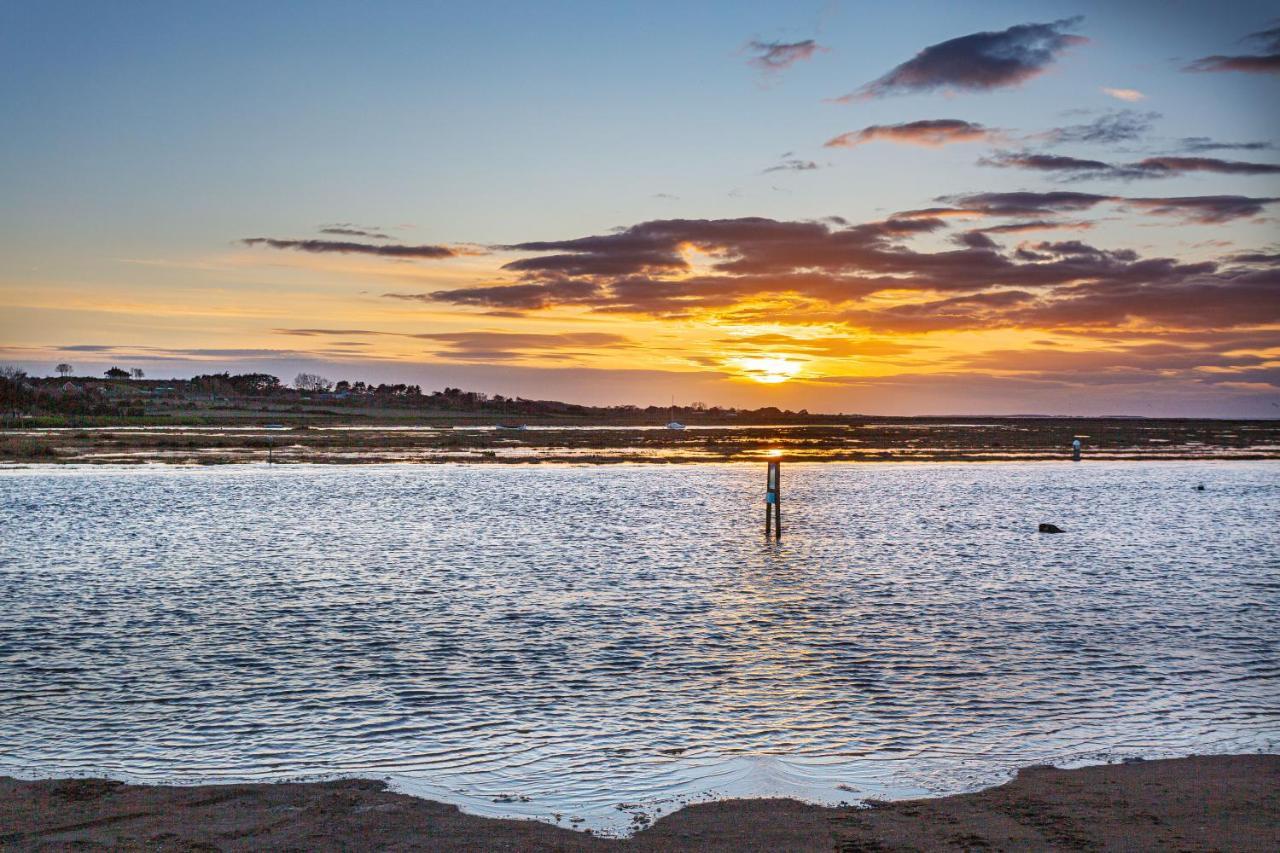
point(559, 640)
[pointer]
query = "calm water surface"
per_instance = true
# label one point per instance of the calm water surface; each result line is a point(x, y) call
point(563, 640)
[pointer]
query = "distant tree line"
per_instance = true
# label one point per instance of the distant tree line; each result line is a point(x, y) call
point(127, 392)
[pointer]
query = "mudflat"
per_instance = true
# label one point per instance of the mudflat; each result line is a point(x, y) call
point(347, 442)
point(1223, 802)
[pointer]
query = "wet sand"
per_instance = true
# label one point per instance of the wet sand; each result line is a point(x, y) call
point(1227, 802)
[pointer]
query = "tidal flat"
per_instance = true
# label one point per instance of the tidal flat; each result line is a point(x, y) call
point(336, 441)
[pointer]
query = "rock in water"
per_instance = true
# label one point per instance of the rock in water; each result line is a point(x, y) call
point(1045, 527)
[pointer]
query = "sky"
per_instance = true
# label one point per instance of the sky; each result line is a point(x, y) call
point(906, 208)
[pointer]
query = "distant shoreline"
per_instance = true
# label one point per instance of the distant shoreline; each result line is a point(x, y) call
point(1200, 802)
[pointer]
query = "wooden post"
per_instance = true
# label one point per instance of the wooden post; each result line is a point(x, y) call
point(271, 449)
point(773, 501)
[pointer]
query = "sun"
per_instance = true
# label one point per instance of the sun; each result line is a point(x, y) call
point(768, 369)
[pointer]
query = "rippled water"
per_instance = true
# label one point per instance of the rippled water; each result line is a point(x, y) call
point(584, 637)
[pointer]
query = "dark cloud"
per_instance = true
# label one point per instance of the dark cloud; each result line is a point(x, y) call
point(1025, 203)
point(977, 310)
point(975, 240)
point(1108, 129)
point(1078, 248)
point(342, 247)
point(977, 62)
point(1266, 258)
point(1226, 298)
point(354, 232)
point(756, 269)
point(1043, 162)
point(1267, 62)
point(1196, 209)
point(517, 297)
point(1203, 209)
point(1151, 167)
point(930, 133)
point(1179, 165)
point(793, 166)
point(773, 56)
point(1204, 143)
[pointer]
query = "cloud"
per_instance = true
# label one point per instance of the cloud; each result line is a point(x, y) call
point(1267, 62)
point(1197, 301)
point(930, 133)
point(774, 56)
point(1141, 356)
point(1151, 167)
point(793, 166)
point(1107, 129)
point(341, 247)
point(1130, 95)
point(354, 232)
point(830, 271)
point(503, 346)
point(1043, 162)
point(933, 213)
point(831, 347)
point(1204, 143)
point(976, 62)
point(487, 345)
point(1180, 165)
point(515, 297)
point(1204, 209)
point(1036, 225)
point(1025, 203)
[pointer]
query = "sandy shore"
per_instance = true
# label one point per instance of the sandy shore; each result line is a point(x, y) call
point(1227, 802)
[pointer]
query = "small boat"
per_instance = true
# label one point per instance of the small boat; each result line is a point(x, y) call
point(673, 423)
point(518, 427)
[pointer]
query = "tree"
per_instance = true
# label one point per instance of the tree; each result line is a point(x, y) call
point(64, 369)
point(254, 383)
point(15, 393)
point(311, 382)
point(137, 373)
point(116, 373)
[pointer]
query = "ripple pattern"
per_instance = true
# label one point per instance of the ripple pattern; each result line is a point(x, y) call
point(574, 641)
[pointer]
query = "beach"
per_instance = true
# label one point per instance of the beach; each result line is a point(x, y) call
point(1225, 802)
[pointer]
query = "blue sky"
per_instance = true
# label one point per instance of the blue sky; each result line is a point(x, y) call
point(143, 140)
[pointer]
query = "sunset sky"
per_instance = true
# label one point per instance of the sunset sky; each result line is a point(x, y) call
point(896, 208)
